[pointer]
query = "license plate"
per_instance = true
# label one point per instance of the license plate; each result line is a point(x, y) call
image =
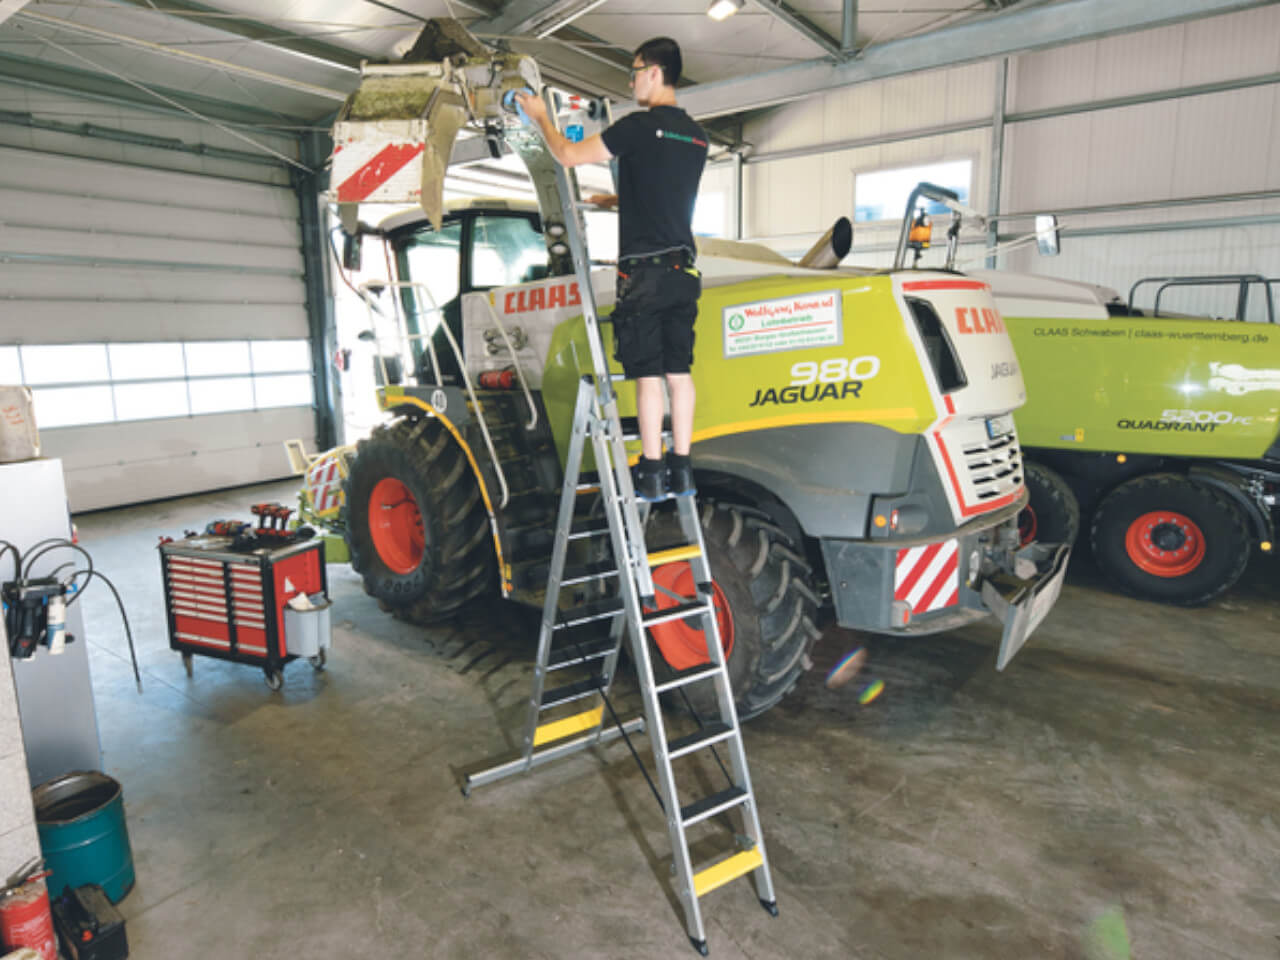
point(999, 426)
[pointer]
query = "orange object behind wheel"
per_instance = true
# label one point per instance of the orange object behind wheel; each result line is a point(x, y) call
point(682, 645)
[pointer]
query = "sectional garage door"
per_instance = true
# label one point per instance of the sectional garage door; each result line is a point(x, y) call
point(160, 320)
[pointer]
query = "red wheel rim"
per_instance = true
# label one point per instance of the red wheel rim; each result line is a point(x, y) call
point(1165, 543)
point(1027, 525)
point(396, 526)
point(683, 646)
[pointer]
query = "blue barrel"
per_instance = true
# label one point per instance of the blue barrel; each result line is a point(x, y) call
point(80, 819)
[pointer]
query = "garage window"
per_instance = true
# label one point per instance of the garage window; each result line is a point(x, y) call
point(882, 194)
point(90, 383)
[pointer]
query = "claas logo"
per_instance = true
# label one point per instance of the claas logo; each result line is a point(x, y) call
point(975, 320)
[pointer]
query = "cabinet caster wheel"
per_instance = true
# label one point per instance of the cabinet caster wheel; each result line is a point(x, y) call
point(275, 680)
point(187, 661)
point(318, 661)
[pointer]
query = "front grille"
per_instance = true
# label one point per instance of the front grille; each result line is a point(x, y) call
point(993, 465)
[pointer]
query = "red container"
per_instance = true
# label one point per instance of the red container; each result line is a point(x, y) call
point(25, 920)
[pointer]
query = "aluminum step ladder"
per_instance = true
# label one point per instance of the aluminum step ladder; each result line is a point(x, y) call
point(629, 613)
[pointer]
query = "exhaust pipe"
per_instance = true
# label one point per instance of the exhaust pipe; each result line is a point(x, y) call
point(832, 248)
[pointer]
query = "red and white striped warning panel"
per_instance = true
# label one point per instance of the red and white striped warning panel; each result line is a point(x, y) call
point(324, 486)
point(928, 577)
point(378, 172)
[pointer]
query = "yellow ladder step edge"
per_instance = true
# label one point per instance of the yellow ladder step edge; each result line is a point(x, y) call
point(731, 868)
point(566, 727)
point(674, 554)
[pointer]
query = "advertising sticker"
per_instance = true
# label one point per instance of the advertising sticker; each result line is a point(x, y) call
point(789, 323)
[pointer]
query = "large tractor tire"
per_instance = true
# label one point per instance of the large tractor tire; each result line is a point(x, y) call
point(1052, 515)
point(1164, 538)
point(765, 607)
point(416, 526)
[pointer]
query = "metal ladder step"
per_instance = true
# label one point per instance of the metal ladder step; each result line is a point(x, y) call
point(702, 737)
point(587, 530)
point(686, 677)
point(568, 726)
point(605, 609)
point(679, 612)
point(726, 871)
point(686, 552)
point(708, 807)
point(574, 654)
point(587, 572)
point(571, 691)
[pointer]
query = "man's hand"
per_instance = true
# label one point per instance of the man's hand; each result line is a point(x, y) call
point(591, 150)
point(533, 106)
point(605, 201)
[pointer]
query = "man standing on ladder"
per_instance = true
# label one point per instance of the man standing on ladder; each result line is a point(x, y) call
point(661, 152)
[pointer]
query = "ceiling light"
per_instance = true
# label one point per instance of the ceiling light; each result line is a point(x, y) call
point(722, 9)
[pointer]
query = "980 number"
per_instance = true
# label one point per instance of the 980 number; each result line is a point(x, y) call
point(835, 370)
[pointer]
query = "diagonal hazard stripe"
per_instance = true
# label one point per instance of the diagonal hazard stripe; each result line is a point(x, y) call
point(931, 574)
point(941, 585)
point(921, 564)
point(385, 164)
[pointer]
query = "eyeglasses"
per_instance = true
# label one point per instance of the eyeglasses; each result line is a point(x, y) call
point(640, 69)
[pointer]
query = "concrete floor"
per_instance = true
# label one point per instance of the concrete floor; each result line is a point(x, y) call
point(1128, 760)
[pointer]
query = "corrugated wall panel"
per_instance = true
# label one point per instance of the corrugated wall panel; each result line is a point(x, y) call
point(1201, 51)
point(85, 211)
point(66, 108)
point(1225, 48)
point(1191, 146)
point(104, 242)
point(112, 464)
point(96, 243)
point(1221, 142)
point(77, 321)
point(34, 170)
point(88, 283)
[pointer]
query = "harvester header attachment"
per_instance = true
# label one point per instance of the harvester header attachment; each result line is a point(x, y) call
point(395, 134)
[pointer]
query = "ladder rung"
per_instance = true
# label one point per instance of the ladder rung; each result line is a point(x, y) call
point(604, 609)
point(571, 691)
point(571, 654)
point(586, 532)
point(588, 572)
point(679, 612)
point(687, 552)
point(731, 868)
point(559, 729)
point(685, 677)
point(710, 806)
point(702, 737)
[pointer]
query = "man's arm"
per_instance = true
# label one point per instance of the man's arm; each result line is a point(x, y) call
point(566, 152)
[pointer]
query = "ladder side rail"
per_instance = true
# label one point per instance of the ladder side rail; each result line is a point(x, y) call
point(700, 566)
point(638, 558)
point(559, 550)
point(652, 706)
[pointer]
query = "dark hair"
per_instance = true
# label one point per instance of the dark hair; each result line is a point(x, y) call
point(665, 53)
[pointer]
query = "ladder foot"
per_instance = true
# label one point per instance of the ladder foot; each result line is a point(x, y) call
point(699, 945)
point(771, 906)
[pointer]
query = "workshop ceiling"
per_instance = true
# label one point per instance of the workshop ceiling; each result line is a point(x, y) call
point(289, 63)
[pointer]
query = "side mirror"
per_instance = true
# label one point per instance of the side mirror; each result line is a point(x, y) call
point(1048, 238)
point(351, 246)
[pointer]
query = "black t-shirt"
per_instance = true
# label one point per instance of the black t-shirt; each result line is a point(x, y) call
point(661, 153)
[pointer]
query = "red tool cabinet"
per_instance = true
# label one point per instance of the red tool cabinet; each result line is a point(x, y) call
point(230, 604)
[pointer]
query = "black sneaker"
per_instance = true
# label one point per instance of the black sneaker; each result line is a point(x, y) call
point(649, 479)
point(680, 476)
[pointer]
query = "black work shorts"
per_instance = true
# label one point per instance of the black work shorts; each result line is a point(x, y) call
point(653, 319)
